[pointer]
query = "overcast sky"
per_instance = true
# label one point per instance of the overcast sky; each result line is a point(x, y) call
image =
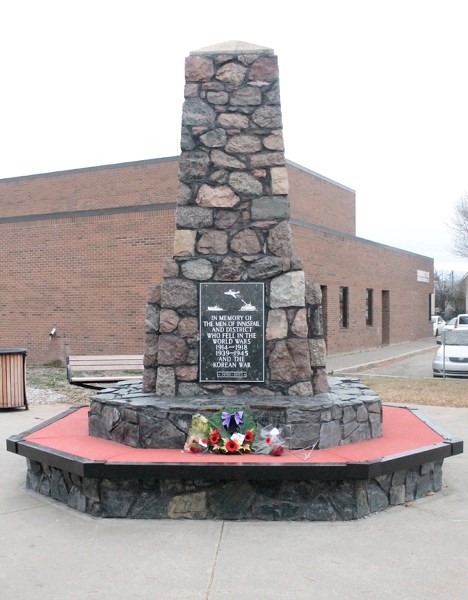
point(374, 94)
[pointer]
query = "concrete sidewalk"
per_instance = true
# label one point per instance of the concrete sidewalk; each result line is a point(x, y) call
point(359, 359)
point(50, 552)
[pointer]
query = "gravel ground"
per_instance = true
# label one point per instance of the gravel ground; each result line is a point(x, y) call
point(49, 385)
point(37, 395)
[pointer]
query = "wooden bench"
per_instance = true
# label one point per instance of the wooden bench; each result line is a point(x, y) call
point(108, 369)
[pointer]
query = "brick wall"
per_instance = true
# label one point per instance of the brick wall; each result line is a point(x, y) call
point(334, 261)
point(128, 184)
point(86, 276)
point(78, 250)
point(321, 201)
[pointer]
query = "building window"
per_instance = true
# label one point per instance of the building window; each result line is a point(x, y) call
point(369, 307)
point(324, 290)
point(423, 276)
point(344, 307)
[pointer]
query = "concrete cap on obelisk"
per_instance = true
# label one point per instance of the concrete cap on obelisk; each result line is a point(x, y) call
point(234, 47)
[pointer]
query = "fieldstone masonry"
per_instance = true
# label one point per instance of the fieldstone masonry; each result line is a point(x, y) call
point(234, 500)
point(349, 412)
point(232, 224)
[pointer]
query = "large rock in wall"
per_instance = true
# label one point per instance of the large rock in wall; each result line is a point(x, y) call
point(232, 224)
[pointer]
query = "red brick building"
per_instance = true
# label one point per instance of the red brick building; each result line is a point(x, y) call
point(79, 248)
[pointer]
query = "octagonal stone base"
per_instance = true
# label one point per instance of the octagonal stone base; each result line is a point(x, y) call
point(350, 412)
point(306, 500)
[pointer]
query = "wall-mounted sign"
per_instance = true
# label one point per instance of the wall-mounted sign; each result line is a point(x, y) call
point(232, 332)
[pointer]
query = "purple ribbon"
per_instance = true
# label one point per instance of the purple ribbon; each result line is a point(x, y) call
point(227, 417)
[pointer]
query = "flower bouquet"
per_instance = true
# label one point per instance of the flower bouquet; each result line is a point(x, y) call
point(197, 437)
point(270, 441)
point(231, 431)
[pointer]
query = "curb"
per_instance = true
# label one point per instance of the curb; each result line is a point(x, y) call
point(376, 363)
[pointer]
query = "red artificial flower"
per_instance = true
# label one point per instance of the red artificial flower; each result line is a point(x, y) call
point(195, 449)
point(231, 445)
point(249, 436)
point(277, 450)
point(214, 436)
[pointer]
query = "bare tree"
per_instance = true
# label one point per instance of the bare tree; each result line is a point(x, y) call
point(459, 226)
point(449, 294)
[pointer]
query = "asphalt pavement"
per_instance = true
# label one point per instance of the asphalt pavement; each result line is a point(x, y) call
point(415, 552)
point(405, 359)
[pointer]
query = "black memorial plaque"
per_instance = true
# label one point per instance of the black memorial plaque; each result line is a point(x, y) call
point(232, 332)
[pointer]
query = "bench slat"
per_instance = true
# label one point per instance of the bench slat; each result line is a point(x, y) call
point(107, 367)
point(103, 363)
point(106, 357)
point(104, 378)
point(94, 360)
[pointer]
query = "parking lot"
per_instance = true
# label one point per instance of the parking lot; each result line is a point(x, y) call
point(409, 359)
point(417, 366)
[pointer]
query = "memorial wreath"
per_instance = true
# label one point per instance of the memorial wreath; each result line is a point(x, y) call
point(232, 431)
point(228, 431)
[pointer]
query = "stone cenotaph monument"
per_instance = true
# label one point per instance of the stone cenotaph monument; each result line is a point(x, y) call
point(234, 321)
point(234, 337)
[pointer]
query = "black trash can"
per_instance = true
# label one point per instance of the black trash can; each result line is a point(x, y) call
point(13, 378)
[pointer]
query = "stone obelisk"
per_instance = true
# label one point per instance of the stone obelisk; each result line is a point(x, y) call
point(233, 314)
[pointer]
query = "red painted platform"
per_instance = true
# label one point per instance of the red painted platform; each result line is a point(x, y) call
point(403, 432)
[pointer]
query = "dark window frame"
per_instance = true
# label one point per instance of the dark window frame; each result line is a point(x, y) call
point(369, 307)
point(344, 307)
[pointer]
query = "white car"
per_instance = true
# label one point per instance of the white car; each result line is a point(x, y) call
point(451, 359)
point(461, 322)
point(449, 326)
point(437, 325)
